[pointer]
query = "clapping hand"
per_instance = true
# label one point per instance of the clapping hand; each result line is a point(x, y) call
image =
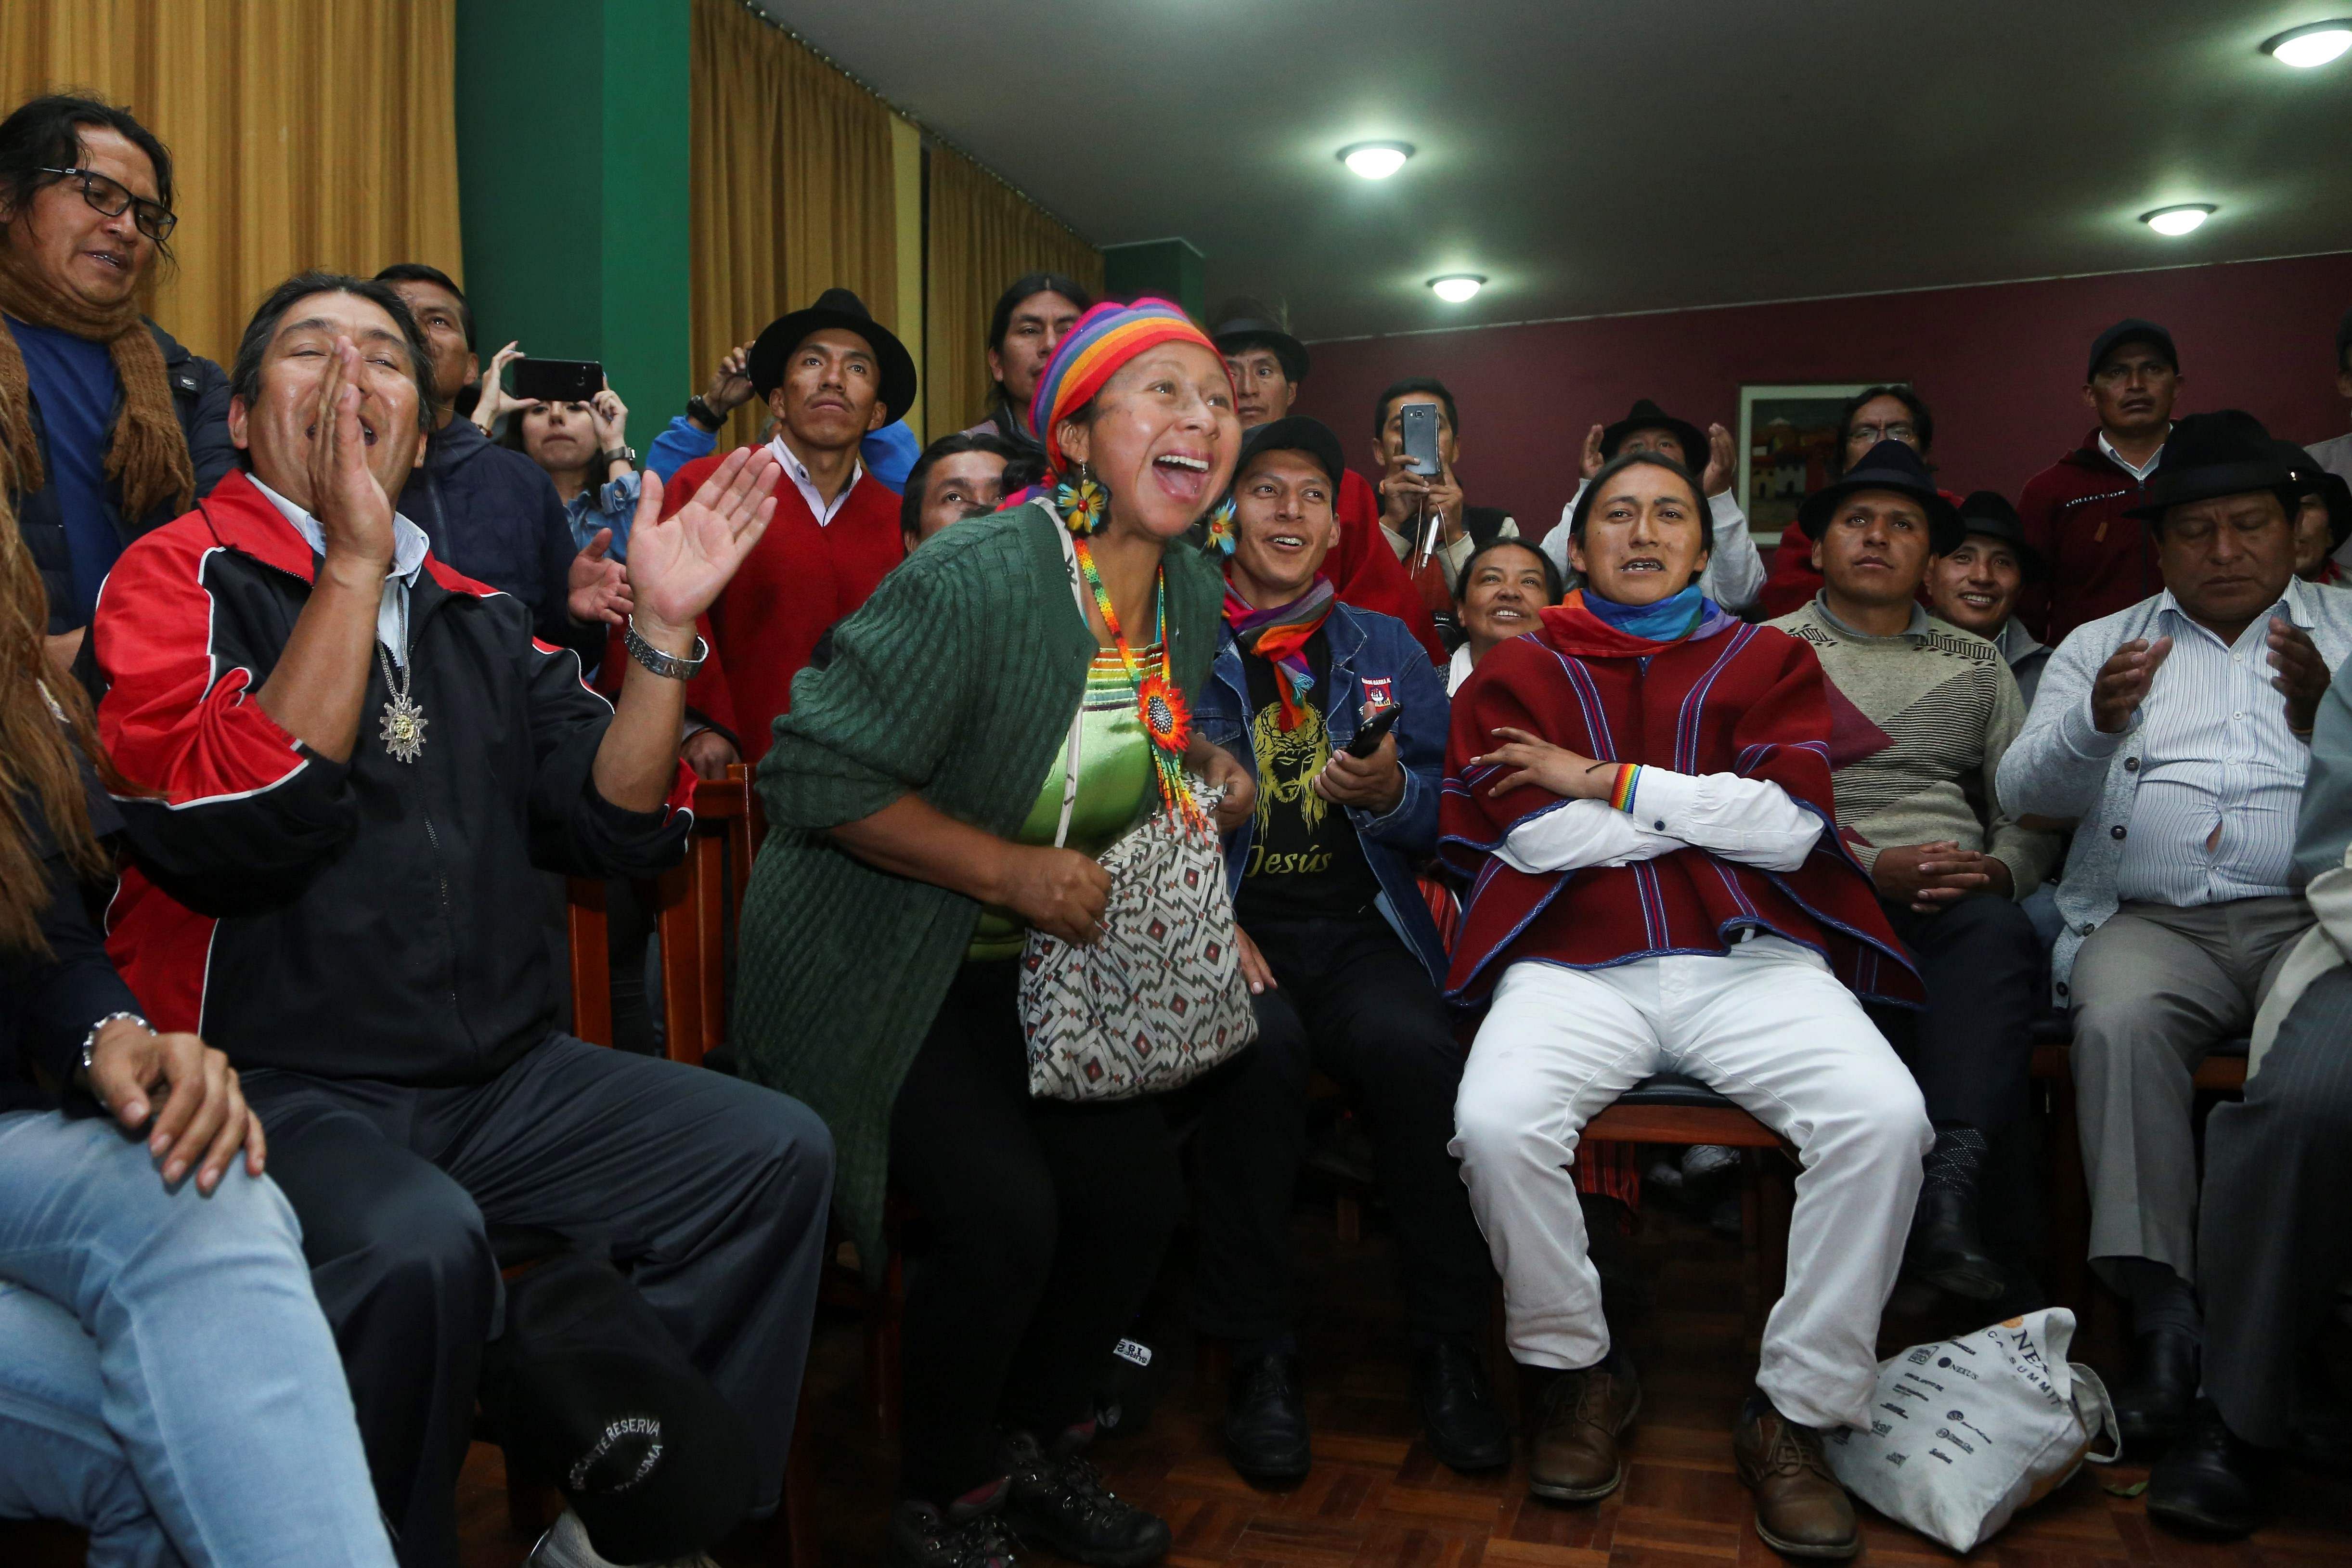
point(353, 511)
point(2302, 674)
point(2122, 682)
point(599, 584)
point(1722, 461)
point(678, 564)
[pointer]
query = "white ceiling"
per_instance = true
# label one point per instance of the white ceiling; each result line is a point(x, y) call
point(1599, 156)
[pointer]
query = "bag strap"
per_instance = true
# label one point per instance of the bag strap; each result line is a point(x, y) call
point(1078, 719)
point(2101, 1415)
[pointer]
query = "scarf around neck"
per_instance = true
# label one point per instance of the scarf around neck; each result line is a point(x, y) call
point(1591, 626)
point(1280, 635)
point(147, 456)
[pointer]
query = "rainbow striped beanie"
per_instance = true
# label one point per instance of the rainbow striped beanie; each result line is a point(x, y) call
point(1105, 338)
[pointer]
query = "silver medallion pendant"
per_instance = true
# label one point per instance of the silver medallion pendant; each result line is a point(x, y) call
point(404, 729)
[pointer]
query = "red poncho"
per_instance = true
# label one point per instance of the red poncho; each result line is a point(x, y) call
point(1733, 698)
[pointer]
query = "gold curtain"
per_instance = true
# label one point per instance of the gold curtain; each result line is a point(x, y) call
point(302, 132)
point(983, 235)
point(793, 189)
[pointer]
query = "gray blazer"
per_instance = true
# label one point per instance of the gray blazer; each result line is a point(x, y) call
point(2049, 769)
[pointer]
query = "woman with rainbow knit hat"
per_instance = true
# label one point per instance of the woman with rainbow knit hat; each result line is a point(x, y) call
point(913, 794)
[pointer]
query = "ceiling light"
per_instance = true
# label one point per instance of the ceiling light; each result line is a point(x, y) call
point(1456, 286)
point(2315, 45)
point(2180, 220)
point(1376, 160)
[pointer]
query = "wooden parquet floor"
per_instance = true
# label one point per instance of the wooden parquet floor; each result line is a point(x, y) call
point(1377, 1499)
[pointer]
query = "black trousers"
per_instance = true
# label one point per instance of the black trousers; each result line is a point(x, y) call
point(1351, 999)
point(1041, 1226)
point(710, 1193)
point(1972, 1049)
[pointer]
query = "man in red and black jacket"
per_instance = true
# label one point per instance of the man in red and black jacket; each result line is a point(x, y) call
point(361, 764)
point(2099, 559)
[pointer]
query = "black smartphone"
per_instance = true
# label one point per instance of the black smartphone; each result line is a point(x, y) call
point(1417, 423)
point(557, 380)
point(1368, 737)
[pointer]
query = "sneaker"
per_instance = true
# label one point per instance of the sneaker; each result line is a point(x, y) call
point(968, 1535)
point(1058, 1499)
point(565, 1545)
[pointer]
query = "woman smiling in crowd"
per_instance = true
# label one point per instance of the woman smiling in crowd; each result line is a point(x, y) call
point(1502, 589)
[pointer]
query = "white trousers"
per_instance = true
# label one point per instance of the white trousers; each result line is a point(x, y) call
point(1766, 1026)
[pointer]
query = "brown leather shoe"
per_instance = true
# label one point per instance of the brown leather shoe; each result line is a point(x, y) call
point(1584, 1415)
point(1801, 1510)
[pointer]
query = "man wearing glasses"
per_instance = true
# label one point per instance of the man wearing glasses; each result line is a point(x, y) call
point(107, 428)
point(2074, 510)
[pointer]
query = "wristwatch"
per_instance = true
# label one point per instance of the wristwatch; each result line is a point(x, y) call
point(702, 414)
point(90, 1041)
point(669, 667)
point(619, 453)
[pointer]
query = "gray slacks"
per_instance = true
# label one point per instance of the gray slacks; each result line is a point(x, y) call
point(2156, 989)
point(2274, 1229)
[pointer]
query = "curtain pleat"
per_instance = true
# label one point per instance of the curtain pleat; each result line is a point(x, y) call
point(792, 187)
point(983, 235)
point(302, 132)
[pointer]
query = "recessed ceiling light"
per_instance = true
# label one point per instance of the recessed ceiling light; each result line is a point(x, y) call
point(1376, 160)
point(2180, 220)
point(2312, 44)
point(1456, 286)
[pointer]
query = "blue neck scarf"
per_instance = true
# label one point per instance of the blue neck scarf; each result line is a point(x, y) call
point(1669, 620)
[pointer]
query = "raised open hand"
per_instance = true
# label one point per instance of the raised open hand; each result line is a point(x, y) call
point(678, 564)
point(1722, 461)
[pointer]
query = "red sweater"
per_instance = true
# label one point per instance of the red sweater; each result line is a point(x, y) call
point(1366, 574)
point(2096, 560)
point(800, 579)
point(1750, 700)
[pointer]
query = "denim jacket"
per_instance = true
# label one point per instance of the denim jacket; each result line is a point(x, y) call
point(1364, 644)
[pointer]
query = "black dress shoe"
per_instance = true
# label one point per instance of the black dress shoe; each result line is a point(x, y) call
point(2205, 1484)
point(1266, 1418)
point(1466, 1432)
point(1948, 1253)
point(2154, 1407)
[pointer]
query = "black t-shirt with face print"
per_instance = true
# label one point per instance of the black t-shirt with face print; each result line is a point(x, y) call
point(1304, 862)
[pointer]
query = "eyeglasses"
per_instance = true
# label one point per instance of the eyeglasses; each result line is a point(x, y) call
point(111, 199)
point(1875, 434)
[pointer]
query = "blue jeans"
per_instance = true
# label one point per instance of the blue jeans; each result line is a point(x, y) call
point(167, 1382)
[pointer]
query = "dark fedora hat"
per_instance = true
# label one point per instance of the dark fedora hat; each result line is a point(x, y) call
point(1294, 433)
point(1889, 465)
point(1247, 324)
point(1988, 512)
point(1648, 416)
point(2224, 453)
point(2131, 330)
point(835, 307)
point(2309, 479)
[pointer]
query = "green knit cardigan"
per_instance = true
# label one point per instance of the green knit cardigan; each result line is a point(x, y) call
point(958, 680)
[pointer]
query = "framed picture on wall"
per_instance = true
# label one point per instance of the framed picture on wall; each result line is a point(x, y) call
point(1788, 449)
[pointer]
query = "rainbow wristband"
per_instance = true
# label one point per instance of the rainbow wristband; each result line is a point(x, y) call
point(1620, 794)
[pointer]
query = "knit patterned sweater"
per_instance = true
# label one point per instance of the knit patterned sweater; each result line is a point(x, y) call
point(1918, 724)
point(957, 680)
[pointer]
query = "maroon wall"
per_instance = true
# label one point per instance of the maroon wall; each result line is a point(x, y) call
point(2001, 366)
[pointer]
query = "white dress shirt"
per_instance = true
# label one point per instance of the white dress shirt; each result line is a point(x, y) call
point(1752, 821)
point(2139, 471)
point(409, 546)
point(797, 471)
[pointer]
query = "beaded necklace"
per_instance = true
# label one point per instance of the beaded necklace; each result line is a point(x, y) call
point(1159, 702)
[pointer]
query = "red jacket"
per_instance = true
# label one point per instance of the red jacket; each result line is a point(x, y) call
point(2095, 561)
point(800, 579)
point(1366, 574)
point(1750, 700)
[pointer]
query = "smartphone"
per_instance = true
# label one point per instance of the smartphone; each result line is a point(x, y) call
point(1417, 422)
point(558, 380)
point(1367, 738)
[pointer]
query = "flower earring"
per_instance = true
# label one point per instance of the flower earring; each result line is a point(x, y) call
point(1220, 521)
point(1080, 500)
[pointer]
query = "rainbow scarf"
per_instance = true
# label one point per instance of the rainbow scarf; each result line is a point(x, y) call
point(1105, 338)
point(1590, 627)
point(1280, 635)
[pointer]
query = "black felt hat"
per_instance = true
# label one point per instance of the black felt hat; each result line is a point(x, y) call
point(1889, 465)
point(835, 307)
point(1247, 324)
point(1294, 433)
point(2131, 330)
point(2224, 453)
point(1988, 512)
point(2309, 479)
point(1648, 416)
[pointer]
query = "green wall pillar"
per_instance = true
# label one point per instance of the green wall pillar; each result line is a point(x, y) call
point(572, 188)
point(1170, 268)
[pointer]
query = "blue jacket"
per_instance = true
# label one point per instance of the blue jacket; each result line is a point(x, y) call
point(1364, 644)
